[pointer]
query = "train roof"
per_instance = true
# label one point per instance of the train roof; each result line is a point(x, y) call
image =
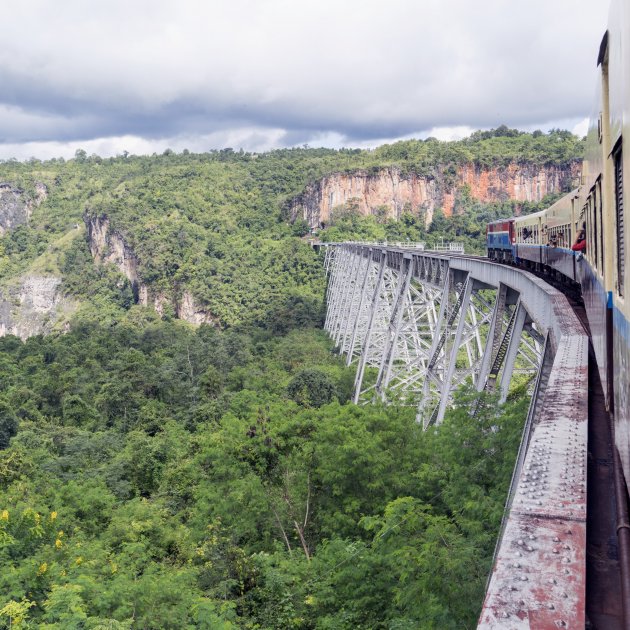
point(561, 204)
point(533, 215)
point(501, 220)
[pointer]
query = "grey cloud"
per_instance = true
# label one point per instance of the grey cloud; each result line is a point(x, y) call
point(359, 69)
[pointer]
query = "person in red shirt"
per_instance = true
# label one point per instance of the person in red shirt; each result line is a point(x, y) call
point(580, 243)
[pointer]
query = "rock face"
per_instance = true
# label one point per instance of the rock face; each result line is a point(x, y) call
point(32, 307)
point(109, 246)
point(389, 192)
point(16, 207)
point(187, 309)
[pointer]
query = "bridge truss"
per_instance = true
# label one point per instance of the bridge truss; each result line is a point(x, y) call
point(418, 325)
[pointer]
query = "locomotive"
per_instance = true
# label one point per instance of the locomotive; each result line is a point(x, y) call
point(593, 214)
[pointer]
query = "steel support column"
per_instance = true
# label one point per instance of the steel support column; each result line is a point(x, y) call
point(404, 279)
point(512, 350)
point(450, 370)
point(358, 381)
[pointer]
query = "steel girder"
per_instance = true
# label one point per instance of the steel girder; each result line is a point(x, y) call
point(418, 329)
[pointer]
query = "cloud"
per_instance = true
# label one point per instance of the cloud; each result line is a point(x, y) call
point(354, 71)
point(249, 139)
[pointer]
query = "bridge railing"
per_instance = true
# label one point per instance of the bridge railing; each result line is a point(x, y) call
point(450, 247)
point(455, 248)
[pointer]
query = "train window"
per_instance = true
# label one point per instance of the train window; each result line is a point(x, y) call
point(600, 213)
point(594, 224)
point(587, 226)
point(621, 248)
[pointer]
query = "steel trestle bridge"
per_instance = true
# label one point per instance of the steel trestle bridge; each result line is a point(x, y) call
point(419, 324)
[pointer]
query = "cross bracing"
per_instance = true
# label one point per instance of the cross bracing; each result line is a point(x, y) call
point(416, 329)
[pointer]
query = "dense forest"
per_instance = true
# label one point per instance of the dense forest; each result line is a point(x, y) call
point(155, 474)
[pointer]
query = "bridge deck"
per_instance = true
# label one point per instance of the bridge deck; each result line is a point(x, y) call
point(539, 575)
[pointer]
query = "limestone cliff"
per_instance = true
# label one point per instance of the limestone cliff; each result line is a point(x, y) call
point(16, 206)
point(32, 306)
point(392, 192)
point(108, 245)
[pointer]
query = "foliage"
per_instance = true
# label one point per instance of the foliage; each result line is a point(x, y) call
point(8, 424)
point(156, 475)
point(311, 388)
point(164, 477)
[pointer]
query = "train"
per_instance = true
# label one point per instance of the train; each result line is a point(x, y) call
point(582, 239)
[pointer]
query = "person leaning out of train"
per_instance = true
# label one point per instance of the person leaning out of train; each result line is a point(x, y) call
point(580, 242)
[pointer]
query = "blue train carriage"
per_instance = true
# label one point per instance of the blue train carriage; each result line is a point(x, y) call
point(500, 240)
point(603, 272)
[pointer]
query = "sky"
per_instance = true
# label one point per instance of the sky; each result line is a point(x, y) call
point(109, 76)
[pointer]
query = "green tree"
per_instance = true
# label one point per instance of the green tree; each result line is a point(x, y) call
point(8, 424)
point(311, 388)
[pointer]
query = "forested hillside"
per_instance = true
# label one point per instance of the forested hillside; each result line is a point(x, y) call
point(158, 474)
point(210, 230)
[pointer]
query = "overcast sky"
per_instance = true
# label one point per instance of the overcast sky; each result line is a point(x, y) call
point(143, 75)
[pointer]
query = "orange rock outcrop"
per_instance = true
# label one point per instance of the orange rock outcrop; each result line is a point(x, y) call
point(390, 192)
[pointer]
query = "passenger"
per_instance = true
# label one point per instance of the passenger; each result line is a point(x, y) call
point(553, 241)
point(580, 243)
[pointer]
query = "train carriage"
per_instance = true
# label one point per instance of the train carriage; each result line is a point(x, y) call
point(530, 237)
